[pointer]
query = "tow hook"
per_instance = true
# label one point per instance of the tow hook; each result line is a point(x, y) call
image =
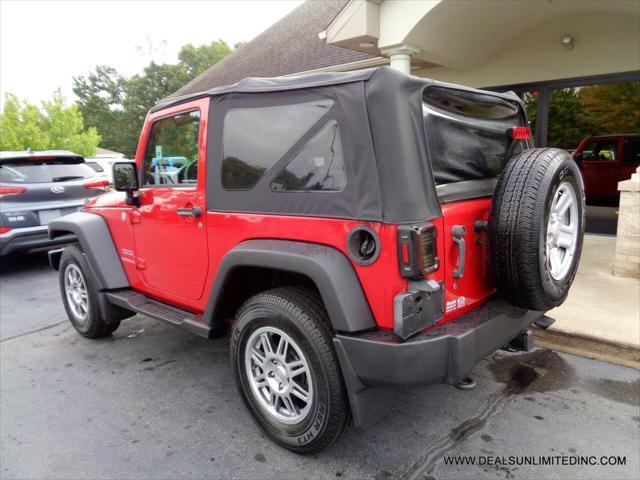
point(524, 342)
point(544, 322)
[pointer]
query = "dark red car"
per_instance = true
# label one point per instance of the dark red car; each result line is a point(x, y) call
point(604, 161)
point(354, 230)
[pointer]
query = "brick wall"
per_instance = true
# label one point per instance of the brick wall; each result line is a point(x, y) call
point(627, 259)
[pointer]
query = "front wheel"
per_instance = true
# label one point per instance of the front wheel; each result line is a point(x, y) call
point(79, 295)
point(287, 371)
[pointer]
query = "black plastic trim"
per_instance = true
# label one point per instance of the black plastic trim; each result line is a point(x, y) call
point(182, 319)
point(95, 239)
point(327, 267)
point(445, 354)
point(54, 257)
point(354, 255)
point(467, 190)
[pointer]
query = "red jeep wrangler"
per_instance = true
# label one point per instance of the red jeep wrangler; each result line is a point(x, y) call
point(354, 230)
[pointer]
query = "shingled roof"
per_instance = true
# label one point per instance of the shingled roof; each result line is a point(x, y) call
point(289, 46)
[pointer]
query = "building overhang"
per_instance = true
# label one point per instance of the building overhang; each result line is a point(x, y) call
point(457, 34)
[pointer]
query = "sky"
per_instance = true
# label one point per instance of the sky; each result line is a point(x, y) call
point(44, 44)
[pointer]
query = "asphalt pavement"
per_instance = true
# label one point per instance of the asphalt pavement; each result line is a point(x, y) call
point(155, 402)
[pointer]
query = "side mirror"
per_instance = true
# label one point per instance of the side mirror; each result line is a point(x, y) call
point(125, 179)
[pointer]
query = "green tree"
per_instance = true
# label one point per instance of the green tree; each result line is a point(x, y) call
point(613, 108)
point(568, 122)
point(575, 113)
point(101, 94)
point(117, 106)
point(52, 127)
point(196, 60)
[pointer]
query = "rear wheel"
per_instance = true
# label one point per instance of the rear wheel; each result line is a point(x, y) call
point(536, 228)
point(283, 360)
point(79, 295)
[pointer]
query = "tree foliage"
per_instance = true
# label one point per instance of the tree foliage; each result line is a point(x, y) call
point(575, 113)
point(117, 105)
point(196, 60)
point(614, 107)
point(51, 127)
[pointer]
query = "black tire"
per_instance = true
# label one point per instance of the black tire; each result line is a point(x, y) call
point(301, 315)
point(520, 213)
point(93, 325)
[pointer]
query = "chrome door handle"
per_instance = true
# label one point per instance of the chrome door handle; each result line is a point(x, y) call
point(190, 212)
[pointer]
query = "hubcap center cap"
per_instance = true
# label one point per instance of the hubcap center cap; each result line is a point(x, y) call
point(277, 378)
point(281, 373)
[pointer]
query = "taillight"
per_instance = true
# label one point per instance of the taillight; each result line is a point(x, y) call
point(4, 191)
point(99, 184)
point(519, 133)
point(417, 253)
point(4, 230)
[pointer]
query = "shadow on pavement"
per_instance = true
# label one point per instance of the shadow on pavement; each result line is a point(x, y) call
point(24, 263)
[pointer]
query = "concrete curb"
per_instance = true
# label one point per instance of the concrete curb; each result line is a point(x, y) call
point(589, 347)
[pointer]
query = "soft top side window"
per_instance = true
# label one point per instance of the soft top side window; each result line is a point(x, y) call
point(171, 157)
point(318, 165)
point(254, 139)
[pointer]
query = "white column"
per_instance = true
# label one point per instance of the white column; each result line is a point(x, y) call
point(400, 56)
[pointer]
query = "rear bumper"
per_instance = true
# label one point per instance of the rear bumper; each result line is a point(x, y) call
point(445, 354)
point(29, 238)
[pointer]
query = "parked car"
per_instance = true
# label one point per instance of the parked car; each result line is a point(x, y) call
point(604, 161)
point(103, 166)
point(355, 230)
point(37, 187)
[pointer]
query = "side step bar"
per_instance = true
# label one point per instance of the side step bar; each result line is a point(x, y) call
point(143, 305)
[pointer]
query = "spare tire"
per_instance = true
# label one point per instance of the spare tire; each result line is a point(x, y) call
point(536, 228)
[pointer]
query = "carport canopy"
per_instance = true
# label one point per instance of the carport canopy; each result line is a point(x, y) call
point(491, 42)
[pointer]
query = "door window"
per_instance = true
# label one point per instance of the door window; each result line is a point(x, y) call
point(171, 157)
point(602, 150)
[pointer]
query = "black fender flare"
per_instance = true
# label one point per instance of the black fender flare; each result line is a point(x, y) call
point(326, 266)
point(94, 237)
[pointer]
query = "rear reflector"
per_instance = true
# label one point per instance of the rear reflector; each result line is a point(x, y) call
point(519, 133)
point(102, 184)
point(11, 191)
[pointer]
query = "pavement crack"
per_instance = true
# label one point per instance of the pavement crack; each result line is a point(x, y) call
point(25, 334)
point(456, 436)
point(162, 364)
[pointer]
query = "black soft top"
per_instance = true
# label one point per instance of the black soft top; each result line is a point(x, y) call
point(380, 115)
point(314, 80)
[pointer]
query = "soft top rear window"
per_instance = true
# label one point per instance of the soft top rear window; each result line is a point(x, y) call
point(44, 170)
point(470, 104)
point(466, 133)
